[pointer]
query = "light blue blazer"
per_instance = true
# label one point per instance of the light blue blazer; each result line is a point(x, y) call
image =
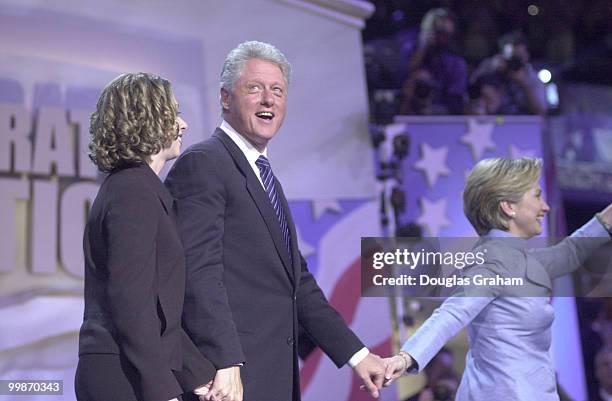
point(509, 336)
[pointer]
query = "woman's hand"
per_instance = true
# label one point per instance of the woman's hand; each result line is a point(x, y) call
point(606, 215)
point(396, 366)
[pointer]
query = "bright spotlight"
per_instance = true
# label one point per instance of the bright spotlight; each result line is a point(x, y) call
point(544, 75)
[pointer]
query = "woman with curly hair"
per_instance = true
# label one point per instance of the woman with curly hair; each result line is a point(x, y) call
point(131, 344)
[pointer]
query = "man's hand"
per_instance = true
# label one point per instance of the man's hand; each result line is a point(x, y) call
point(371, 370)
point(203, 390)
point(226, 386)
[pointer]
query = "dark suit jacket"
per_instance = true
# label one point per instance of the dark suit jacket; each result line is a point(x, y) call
point(244, 298)
point(134, 285)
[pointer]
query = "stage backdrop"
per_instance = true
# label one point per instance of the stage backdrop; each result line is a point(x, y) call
point(57, 56)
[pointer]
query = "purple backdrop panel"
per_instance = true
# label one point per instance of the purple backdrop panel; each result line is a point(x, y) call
point(443, 150)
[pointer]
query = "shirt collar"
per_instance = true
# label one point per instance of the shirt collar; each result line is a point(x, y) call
point(250, 152)
point(497, 233)
point(505, 237)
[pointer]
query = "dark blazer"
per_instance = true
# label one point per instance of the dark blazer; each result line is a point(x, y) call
point(244, 297)
point(134, 287)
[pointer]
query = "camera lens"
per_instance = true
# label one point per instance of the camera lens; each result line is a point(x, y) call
point(422, 89)
point(514, 63)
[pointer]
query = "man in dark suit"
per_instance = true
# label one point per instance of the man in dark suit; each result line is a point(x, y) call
point(248, 287)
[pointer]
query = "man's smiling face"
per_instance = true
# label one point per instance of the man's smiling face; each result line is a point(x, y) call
point(255, 107)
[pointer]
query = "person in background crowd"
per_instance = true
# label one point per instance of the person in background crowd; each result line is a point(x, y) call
point(486, 96)
point(523, 92)
point(418, 94)
point(132, 346)
point(442, 382)
point(603, 373)
point(433, 53)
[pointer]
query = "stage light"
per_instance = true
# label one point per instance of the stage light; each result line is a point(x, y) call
point(544, 75)
point(552, 95)
point(533, 10)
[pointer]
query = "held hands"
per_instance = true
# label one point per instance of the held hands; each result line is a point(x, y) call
point(226, 386)
point(371, 370)
point(202, 390)
point(396, 366)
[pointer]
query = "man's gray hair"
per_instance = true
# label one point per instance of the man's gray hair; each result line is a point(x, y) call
point(237, 58)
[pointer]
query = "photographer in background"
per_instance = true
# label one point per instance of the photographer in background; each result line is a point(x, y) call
point(523, 92)
point(442, 382)
point(603, 373)
point(486, 96)
point(418, 95)
point(433, 53)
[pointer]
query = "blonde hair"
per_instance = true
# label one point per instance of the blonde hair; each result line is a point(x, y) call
point(134, 119)
point(493, 181)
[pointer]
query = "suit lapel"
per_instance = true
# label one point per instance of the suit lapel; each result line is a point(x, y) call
point(261, 199)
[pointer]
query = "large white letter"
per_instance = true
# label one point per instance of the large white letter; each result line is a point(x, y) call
point(86, 168)
point(10, 191)
point(44, 227)
point(15, 126)
point(75, 204)
point(53, 143)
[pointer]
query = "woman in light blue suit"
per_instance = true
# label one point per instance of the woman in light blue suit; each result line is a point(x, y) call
point(509, 330)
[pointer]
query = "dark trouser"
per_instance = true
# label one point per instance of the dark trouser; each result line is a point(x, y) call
point(105, 377)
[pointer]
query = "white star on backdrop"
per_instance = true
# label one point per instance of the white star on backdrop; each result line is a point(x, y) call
point(478, 137)
point(320, 206)
point(433, 216)
point(432, 163)
point(305, 248)
point(516, 152)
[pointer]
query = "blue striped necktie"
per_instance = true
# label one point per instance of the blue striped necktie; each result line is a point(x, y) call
point(267, 177)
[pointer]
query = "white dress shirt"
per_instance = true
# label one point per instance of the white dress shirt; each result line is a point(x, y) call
point(250, 152)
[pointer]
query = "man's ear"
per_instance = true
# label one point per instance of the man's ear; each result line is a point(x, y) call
point(508, 208)
point(224, 98)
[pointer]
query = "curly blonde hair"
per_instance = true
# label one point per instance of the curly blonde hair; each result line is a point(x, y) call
point(135, 118)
